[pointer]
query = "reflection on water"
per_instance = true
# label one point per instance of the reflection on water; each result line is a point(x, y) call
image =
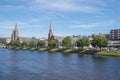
point(34, 65)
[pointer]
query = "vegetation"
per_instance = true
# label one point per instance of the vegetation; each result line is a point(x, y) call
point(109, 53)
point(32, 49)
point(99, 41)
point(54, 50)
point(32, 44)
point(17, 43)
point(67, 51)
point(66, 42)
point(12, 43)
point(82, 42)
point(41, 43)
point(52, 44)
point(42, 49)
point(24, 44)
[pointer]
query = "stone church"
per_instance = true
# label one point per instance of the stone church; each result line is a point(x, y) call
point(14, 35)
point(50, 34)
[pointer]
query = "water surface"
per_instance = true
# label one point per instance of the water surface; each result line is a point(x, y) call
point(35, 65)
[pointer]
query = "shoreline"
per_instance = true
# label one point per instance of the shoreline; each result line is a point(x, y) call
point(71, 51)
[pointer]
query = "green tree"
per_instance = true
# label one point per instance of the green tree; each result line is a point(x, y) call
point(52, 44)
point(41, 43)
point(24, 44)
point(99, 41)
point(12, 43)
point(32, 44)
point(17, 43)
point(66, 42)
point(83, 42)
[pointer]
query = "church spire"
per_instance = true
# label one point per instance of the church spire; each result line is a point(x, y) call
point(50, 34)
point(50, 27)
point(16, 26)
point(14, 35)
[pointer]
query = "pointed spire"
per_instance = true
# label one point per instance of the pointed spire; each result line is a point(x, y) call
point(50, 27)
point(16, 26)
point(50, 34)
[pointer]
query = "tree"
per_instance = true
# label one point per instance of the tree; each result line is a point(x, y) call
point(41, 43)
point(32, 44)
point(12, 43)
point(17, 43)
point(52, 44)
point(83, 42)
point(24, 44)
point(66, 42)
point(99, 41)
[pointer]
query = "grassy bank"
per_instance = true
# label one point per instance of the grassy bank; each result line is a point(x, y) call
point(32, 49)
point(109, 53)
point(68, 51)
point(42, 49)
point(53, 50)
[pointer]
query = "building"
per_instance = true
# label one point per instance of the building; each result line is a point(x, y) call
point(114, 38)
point(14, 35)
point(50, 34)
point(26, 39)
point(115, 35)
point(114, 43)
point(74, 38)
point(5, 40)
point(59, 40)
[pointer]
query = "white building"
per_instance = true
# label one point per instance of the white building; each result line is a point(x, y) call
point(114, 43)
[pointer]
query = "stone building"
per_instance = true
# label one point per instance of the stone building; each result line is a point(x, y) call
point(14, 35)
point(50, 34)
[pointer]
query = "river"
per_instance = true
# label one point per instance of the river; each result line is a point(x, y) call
point(35, 65)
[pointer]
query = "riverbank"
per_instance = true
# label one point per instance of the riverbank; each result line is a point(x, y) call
point(68, 51)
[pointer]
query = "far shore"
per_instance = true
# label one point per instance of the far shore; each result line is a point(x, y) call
point(77, 51)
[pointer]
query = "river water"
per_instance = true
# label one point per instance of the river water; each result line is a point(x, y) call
point(35, 65)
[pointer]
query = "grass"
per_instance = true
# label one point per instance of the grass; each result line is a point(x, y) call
point(109, 53)
point(89, 52)
point(67, 51)
point(32, 49)
point(42, 49)
point(92, 52)
point(53, 50)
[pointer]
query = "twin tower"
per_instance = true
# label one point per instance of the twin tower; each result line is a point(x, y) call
point(15, 35)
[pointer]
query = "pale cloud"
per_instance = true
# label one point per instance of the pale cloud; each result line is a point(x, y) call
point(25, 28)
point(22, 26)
point(11, 24)
point(93, 25)
point(88, 6)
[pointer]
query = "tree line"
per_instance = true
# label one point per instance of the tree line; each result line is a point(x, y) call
point(97, 42)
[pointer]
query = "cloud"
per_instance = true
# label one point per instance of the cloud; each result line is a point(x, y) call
point(10, 24)
point(70, 5)
point(23, 27)
point(93, 25)
point(86, 6)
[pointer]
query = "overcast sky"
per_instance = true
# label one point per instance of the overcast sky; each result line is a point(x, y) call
point(69, 17)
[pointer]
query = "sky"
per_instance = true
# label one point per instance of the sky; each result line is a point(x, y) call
point(68, 17)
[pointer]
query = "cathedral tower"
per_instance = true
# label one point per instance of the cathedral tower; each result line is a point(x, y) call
point(14, 35)
point(50, 34)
